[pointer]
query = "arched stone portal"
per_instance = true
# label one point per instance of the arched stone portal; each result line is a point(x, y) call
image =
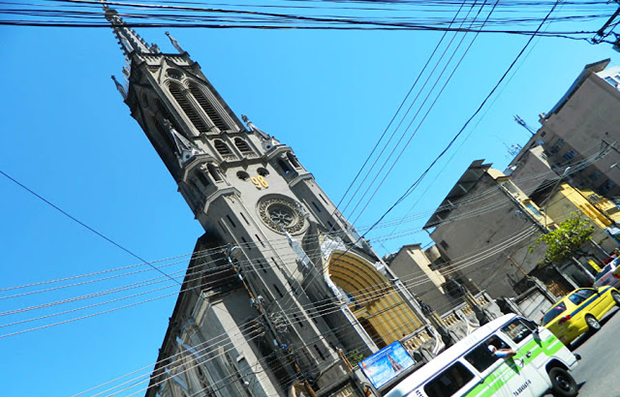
point(377, 304)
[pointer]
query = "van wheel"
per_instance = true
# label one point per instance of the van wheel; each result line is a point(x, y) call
point(562, 383)
point(593, 324)
point(616, 297)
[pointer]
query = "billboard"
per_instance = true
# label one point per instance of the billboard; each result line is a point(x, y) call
point(386, 364)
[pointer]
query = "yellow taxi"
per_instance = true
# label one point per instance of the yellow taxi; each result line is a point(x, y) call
point(580, 312)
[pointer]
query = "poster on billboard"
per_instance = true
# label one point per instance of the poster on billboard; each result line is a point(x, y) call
point(386, 364)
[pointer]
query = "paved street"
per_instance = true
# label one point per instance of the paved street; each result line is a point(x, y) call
point(597, 373)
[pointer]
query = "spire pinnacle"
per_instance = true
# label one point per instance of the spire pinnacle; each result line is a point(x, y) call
point(185, 149)
point(129, 40)
point(175, 43)
point(254, 128)
point(120, 87)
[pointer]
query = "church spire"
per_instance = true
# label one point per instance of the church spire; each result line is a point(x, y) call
point(128, 39)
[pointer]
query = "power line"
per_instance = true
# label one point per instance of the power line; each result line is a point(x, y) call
point(92, 230)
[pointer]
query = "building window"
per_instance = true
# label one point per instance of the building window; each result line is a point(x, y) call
point(243, 146)
point(222, 148)
point(285, 167)
point(444, 244)
point(179, 96)
point(214, 172)
point(293, 159)
point(262, 171)
point(202, 178)
point(557, 146)
point(259, 240)
point(278, 291)
point(165, 134)
point(208, 108)
point(606, 187)
point(319, 352)
point(301, 324)
point(569, 155)
point(611, 81)
point(594, 176)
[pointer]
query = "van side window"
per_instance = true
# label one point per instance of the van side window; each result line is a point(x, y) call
point(482, 357)
point(516, 330)
point(449, 381)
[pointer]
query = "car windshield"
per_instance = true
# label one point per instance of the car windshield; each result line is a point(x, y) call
point(603, 272)
point(554, 312)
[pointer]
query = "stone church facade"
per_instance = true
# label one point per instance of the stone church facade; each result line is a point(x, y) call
point(281, 289)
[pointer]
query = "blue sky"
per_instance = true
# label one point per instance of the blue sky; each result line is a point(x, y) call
point(328, 94)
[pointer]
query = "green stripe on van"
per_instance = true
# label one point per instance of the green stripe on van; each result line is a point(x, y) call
point(498, 378)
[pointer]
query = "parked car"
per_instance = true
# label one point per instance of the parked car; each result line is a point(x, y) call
point(580, 312)
point(609, 275)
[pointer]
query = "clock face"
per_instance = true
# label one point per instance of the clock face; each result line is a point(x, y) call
point(281, 215)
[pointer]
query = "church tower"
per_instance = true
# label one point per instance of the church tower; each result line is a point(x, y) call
point(280, 287)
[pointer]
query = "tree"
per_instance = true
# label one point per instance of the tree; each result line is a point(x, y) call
point(566, 241)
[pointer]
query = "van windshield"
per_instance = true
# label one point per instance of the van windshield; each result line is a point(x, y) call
point(554, 312)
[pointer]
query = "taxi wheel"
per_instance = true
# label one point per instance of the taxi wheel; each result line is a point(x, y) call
point(593, 324)
point(562, 383)
point(616, 297)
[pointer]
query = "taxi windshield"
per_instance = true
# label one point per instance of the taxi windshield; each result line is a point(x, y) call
point(554, 312)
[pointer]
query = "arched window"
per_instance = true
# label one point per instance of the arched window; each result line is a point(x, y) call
point(177, 92)
point(207, 107)
point(242, 146)
point(222, 148)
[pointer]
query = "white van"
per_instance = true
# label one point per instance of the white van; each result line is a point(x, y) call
point(470, 368)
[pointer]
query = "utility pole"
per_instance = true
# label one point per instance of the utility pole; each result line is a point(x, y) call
point(523, 124)
point(601, 35)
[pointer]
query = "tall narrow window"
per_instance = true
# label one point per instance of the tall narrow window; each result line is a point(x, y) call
point(177, 92)
point(285, 167)
point(202, 178)
point(293, 159)
point(320, 352)
point(207, 107)
point(214, 172)
point(165, 134)
point(222, 148)
point(242, 146)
